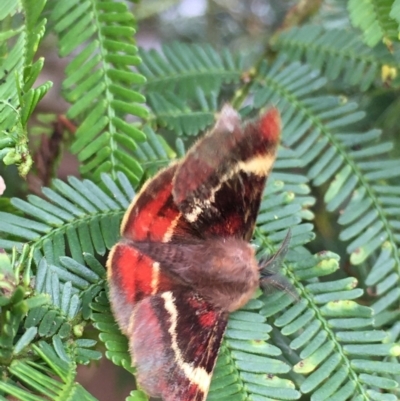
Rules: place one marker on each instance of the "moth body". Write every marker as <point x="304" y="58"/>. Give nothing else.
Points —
<point x="224" y="271"/>
<point x="184" y="262"/>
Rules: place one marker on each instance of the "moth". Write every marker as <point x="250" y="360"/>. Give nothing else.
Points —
<point x="184" y="261"/>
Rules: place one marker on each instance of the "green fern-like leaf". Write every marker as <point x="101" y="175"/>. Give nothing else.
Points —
<point x="336" y="344"/>
<point x="100" y="84"/>
<point x="80" y="219"/>
<point x="51" y="311"/>
<point x="115" y="342"/>
<point x="37" y="376"/>
<point x="18" y="98"/>
<point x="179" y="68"/>
<point x="174" y="113"/>
<point x="80" y="215"/>
<point x="322" y="326"/>
<point x="395" y="12"/>
<point x="337" y="53"/>
<point x="374" y="19"/>
<point x="316" y="128"/>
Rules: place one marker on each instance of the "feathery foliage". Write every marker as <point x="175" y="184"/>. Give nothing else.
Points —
<point x="101" y="84"/>
<point x="178" y="70"/>
<point x="338" y="341"/>
<point x="315" y="128"/>
<point x="337" y="53"/>
<point x="377" y="19"/>
<point x="180" y="67"/>
<point x="18" y="43"/>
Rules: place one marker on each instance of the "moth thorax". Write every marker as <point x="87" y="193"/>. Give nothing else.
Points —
<point x="234" y="271"/>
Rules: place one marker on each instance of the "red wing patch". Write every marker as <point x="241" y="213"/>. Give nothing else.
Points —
<point x="184" y="334"/>
<point x="152" y="214"/>
<point x="133" y="276"/>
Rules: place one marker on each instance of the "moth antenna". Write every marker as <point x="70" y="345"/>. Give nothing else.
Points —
<point x="270" y="265"/>
<point x="278" y="282"/>
<point x="271" y="279"/>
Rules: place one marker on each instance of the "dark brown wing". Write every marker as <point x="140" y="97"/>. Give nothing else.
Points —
<point x="174" y="341"/>
<point x="218" y="186"/>
<point x="215" y="190"/>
